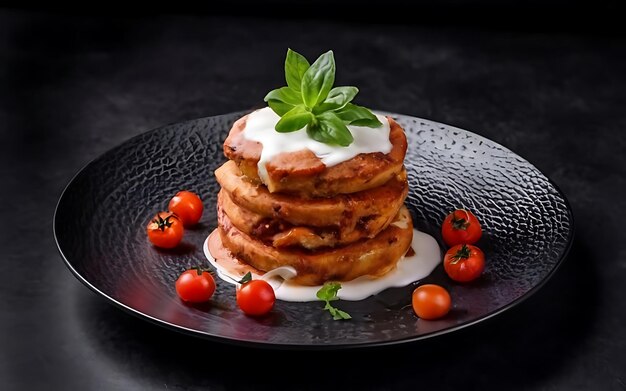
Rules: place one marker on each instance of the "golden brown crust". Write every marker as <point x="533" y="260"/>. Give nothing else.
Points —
<point x="370" y="208"/>
<point x="373" y="257"/>
<point x="304" y="174"/>
<point x="280" y="233"/>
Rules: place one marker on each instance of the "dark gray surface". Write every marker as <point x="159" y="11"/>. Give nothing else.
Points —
<point x="74" y="87"/>
<point x="100" y="229"/>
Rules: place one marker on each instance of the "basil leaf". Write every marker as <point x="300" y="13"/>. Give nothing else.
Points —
<point x="366" y="122"/>
<point x="328" y="291"/>
<point x="283" y="99"/>
<point x="318" y="80"/>
<point x="339" y="315"/>
<point x="280" y="108"/>
<point x="330" y="129"/>
<point x="358" y="116"/>
<point x="295" y="67"/>
<point x="284" y="94"/>
<point x="297" y="118"/>
<point x="309" y="100"/>
<point x="337" y="98"/>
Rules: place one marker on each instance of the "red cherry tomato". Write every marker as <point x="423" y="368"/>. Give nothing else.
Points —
<point x="165" y="230"/>
<point x="464" y="262"/>
<point x="461" y="226"/>
<point x="256" y="297"/>
<point x="195" y="286"/>
<point x="188" y="206"/>
<point x="431" y="301"/>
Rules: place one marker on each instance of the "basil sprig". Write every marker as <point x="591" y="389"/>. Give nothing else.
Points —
<point x="328" y="293"/>
<point x="310" y="100"/>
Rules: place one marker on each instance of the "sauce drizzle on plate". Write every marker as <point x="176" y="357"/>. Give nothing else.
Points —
<point x="426" y="256"/>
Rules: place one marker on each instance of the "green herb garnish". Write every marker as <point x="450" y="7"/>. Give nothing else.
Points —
<point x="328" y="293"/>
<point x="310" y="100"/>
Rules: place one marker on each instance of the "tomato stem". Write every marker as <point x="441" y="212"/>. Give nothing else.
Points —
<point x="201" y="269"/>
<point x="461" y="223"/>
<point x="462" y="253"/>
<point x="163" y="223"/>
<point x="246" y="278"/>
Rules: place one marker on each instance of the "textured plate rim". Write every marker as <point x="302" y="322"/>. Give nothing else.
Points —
<point x="295" y="346"/>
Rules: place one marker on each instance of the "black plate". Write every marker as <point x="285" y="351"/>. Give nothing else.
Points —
<point x="100" y="224"/>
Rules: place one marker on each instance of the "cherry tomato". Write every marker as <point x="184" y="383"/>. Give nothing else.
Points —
<point x="195" y="285"/>
<point x="461" y="226"/>
<point x="165" y="230"/>
<point x="188" y="206"/>
<point x="256" y="297"/>
<point x="431" y="301"/>
<point x="464" y="262"/>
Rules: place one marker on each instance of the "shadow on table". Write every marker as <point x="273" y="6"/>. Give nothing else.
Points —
<point x="518" y="349"/>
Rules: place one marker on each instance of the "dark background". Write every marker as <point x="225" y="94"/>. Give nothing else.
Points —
<point x="545" y="79"/>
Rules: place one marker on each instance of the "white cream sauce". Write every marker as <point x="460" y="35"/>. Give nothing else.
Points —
<point x="409" y="269"/>
<point x="260" y="127"/>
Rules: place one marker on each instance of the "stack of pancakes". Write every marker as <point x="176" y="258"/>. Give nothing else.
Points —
<point x="329" y="223"/>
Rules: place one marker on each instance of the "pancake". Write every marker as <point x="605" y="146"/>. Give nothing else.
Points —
<point x="280" y="233"/>
<point x="368" y="211"/>
<point x="374" y="257"/>
<point x="302" y="173"/>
